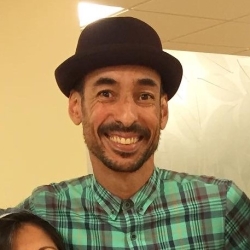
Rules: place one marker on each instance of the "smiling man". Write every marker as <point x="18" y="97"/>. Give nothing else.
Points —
<point x="122" y="110"/>
<point x="119" y="82"/>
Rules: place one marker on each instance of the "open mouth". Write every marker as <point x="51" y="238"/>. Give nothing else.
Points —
<point x="123" y="140"/>
<point x="124" y="145"/>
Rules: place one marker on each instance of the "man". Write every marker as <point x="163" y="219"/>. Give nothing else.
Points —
<point x="119" y="83"/>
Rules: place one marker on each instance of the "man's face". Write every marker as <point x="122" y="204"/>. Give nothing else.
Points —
<point x="122" y="113"/>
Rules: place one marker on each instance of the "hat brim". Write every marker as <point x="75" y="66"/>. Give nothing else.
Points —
<point x="71" y="71"/>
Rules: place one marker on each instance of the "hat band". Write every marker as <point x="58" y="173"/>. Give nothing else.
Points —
<point x="116" y="47"/>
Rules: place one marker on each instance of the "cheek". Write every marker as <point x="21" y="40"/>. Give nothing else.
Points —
<point x="151" y="119"/>
<point x="95" y="116"/>
<point x="153" y="114"/>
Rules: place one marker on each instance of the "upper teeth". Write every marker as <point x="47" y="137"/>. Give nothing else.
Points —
<point x="124" y="140"/>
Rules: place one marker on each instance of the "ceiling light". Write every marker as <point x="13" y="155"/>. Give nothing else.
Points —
<point x="89" y="12"/>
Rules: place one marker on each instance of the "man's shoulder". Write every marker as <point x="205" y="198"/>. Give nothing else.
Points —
<point x="198" y="188"/>
<point x="72" y="186"/>
<point x="54" y="195"/>
<point x="182" y="178"/>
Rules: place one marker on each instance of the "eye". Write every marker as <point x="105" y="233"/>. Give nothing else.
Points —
<point x="146" y="96"/>
<point x="105" y="93"/>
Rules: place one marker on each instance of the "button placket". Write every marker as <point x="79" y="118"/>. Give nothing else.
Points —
<point x="133" y="236"/>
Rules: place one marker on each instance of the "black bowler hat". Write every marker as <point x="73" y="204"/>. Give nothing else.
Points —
<point x="119" y="41"/>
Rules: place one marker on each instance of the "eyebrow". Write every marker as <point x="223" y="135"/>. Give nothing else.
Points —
<point x="147" y="82"/>
<point x="110" y="81"/>
<point x="104" y="81"/>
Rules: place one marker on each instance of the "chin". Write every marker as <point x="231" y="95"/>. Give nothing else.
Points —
<point x="128" y="167"/>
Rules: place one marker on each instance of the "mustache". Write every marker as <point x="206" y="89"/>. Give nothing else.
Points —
<point x="119" y="127"/>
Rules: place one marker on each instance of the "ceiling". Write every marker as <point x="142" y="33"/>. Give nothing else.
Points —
<point x="214" y="26"/>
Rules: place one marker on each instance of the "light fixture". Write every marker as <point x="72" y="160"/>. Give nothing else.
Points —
<point x="89" y="12"/>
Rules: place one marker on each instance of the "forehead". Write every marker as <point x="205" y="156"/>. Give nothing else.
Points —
<point x="124" y="73"/>
<point x="31" y="237"/>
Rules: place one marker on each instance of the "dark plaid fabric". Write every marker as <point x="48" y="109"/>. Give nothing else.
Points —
<point x="172" y="211"/>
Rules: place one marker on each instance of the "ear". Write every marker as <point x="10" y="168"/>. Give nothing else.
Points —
<point x="164" y="111"/>
<point x="74" y="108"/>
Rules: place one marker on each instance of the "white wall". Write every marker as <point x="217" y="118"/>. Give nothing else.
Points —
<point x="209" y="119"/>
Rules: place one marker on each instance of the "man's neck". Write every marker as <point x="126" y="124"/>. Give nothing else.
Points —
<point x="120" y="184"/>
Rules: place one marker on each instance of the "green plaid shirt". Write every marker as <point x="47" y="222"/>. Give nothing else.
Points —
<point x="172" y="211"/>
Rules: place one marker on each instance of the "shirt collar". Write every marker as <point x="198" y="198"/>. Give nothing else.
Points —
<point x="142" y="199"/>
<point x="147" y="194"/>
<point x="108" y="202"/>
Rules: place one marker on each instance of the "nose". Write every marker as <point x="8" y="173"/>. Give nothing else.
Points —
<point x="126" y="112"/>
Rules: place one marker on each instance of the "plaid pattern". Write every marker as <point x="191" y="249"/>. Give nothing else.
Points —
<point x="172" y="211"/>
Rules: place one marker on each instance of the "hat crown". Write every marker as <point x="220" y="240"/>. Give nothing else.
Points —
<point x="117" y="31"/>
<point x="117" y="41"/>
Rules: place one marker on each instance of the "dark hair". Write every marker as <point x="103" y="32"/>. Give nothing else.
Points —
<point x="11" y="223"/>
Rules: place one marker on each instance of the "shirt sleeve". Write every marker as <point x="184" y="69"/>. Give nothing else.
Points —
<point x="41" y="199"/>
<point x="26" y="204"/>
<point x="237" y="219"/>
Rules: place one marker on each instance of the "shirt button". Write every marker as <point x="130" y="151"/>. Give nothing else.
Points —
<point x="127" y="204"/>
<point x="140" y="209"/>
<point x="133" y="236"/>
